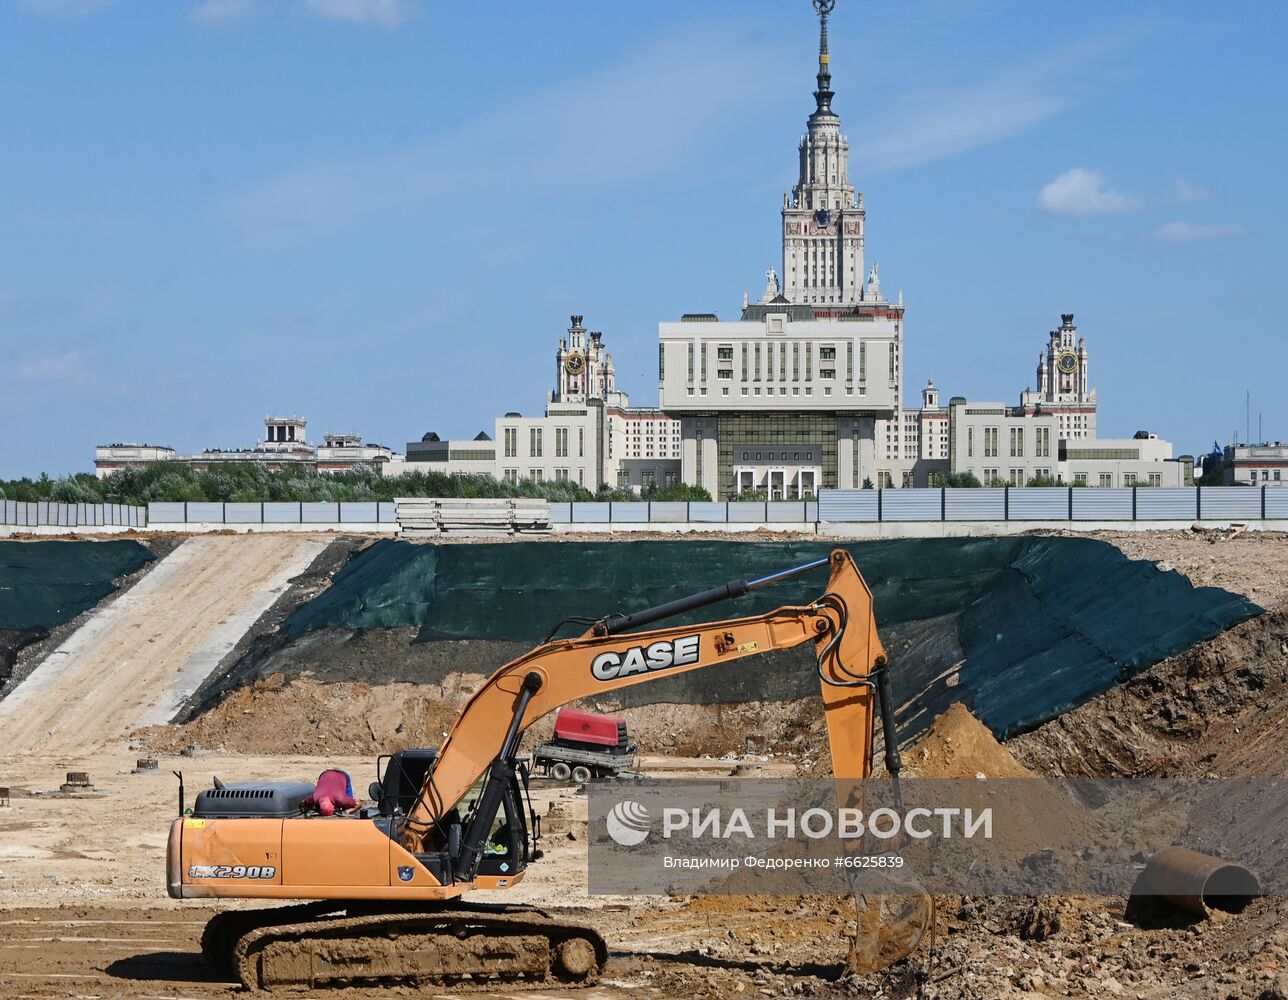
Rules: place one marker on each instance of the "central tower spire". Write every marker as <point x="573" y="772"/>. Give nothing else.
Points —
<point x="823" y="96"/>
<point x="823" y="214"/>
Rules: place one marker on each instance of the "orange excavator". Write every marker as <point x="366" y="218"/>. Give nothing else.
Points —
<point x="385" y="882"/>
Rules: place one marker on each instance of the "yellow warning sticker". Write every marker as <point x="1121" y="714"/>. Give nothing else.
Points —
<point x="194" y="824"/>
<point x="748" y="647"/>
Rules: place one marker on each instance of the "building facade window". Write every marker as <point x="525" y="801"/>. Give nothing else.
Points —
<point x="511" y="442"/>
<point x="535" y="475"/>
<point x="1106" y="479"/>
<point x="561" y="442"/>
<point x="990" y="442"/>
<point x="534" y="442"/>
<point x="511" y="475"/>
<point x="647" y="478"/>
<point x="1017" y="442"/>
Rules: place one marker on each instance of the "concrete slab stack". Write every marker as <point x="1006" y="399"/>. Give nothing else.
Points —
<point x="426" y="517"/>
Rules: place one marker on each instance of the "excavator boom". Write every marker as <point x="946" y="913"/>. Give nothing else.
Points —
<point x="840" y="623"/>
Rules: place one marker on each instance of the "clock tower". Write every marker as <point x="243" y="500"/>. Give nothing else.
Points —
<point x="822" y="214"/>
<point x="584" y="369"/>
<point x="1063" y="385"/>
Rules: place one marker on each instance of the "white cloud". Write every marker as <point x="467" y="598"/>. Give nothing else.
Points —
<point x="69" y="368"/>
<point x="1185" y="192"/>
<point x="932" y="123"/>
<point x="1083" y="192"/>
<point x="223" y="11"/>
<point x="64" y="8"/>
<point x="384" y="13"/>
<point x="606" y="128"/>
<point x="1186" y="232"/>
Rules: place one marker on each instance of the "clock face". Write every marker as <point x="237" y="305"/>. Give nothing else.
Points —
<point x="823" y="217"/>
<point x="1067" y="362"/>
<point x="574" y="363"/>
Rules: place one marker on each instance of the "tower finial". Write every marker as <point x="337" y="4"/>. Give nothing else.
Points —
<point x="823" y="96"/>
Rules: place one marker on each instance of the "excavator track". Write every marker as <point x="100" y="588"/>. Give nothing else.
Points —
<point x="462" y="947"/>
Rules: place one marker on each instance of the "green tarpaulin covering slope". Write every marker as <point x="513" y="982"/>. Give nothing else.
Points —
<point x="43" y="584"/>
<point x="1020" y="629"/>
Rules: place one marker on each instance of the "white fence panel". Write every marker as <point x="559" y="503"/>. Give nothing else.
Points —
<point x="1094" y="503"/>
<point x="1276" y="501"/>
<point x="910" y="505"/>
<point x="212" y="513"/>
<point x="986" y="504"/>
<point x="747" y="511"/>
<point x="593" y="512"/>
<point x="165" y="513"/>
<point x="1171" y="503"/>
<point x="320" y="513"/>
<point x="709" y="512"/>
<point x="1037" y="503"/>
<point x="359" y="512"/>
<point x="847" y="505"/>
<point x="629" y="511"/>
<point x="242" y="513"/>
<point x="668" y="511"/>
<point x="785" y="512"/>
<point x="282" y="512"/>
<point x="1230" y="503"/>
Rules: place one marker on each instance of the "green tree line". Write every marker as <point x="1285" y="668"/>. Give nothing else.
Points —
<point x="175" y="481"/>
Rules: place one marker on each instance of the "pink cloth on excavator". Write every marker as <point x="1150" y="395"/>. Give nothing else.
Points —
<point x="333" y="787"/>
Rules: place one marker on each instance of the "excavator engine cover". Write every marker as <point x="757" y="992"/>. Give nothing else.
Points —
<point x="252" y="800"/>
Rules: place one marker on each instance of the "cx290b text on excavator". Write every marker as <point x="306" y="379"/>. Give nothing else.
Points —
<point x="385" y="884"/>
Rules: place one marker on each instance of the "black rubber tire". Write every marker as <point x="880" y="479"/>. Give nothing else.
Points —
<point x="581" y="774"/>
<point x="560" y="771"/>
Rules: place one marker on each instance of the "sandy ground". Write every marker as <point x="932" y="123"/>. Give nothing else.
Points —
<point x="136" y="661"/>
<point x="84" y="912"/>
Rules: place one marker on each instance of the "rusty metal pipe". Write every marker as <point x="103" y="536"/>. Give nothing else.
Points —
<point x="1199" y="882"/>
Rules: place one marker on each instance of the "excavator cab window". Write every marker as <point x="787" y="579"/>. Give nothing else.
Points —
<point x="505" y="851"/>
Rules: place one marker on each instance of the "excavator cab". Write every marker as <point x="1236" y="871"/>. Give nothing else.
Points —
<point x="510" y="826"/>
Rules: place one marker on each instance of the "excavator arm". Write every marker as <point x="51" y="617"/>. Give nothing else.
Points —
<point x="840" y="623"/>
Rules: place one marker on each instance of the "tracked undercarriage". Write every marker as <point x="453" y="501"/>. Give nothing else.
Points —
<point x="463" y="947"/>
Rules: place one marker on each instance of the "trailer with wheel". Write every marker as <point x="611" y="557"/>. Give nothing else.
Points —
<point x="586" y="745"/>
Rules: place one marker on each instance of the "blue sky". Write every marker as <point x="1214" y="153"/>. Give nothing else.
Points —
<point x="380" y="213"/>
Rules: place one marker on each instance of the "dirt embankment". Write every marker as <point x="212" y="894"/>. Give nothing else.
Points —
<point x="1219" y="708"/>
<point x="277" y="716"/>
